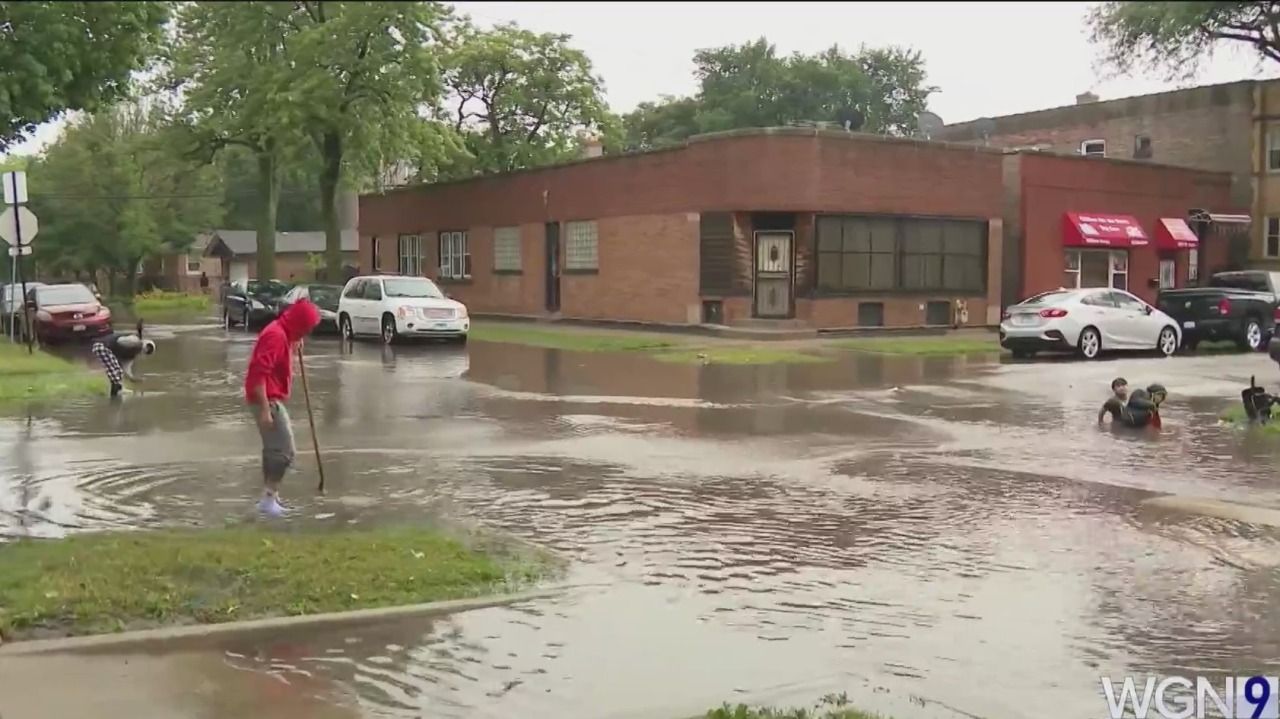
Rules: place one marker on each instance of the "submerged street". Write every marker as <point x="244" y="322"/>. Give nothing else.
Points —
<point x="937" y="537"/>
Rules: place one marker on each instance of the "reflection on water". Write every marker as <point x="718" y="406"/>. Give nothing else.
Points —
<point x="896" y="528"/>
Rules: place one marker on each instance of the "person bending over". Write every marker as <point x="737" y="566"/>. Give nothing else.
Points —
<point x="117" y="353"/>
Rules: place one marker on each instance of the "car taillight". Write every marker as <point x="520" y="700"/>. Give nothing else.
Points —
<point x="1275" y="315"/>
<point x="1224" y="306"/>
<point x="1053" y="313"/>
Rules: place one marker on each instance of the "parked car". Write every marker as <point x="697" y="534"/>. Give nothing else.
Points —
<point x="252" y="303"/>
<point x="1087" y="321"/>
<point x="323" y="296"/>
<point x="64" y="312"/>
<point x="391" y="307"/>
<point x="1236" y="306"/>
<point x="9" y="310"/>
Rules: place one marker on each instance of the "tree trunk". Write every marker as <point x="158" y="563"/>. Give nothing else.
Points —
<point x="330" y="178"/>
<point x="131" y="278"/>
<point x="269" y="191"/>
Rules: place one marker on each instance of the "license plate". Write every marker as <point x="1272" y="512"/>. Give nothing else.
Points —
<point x="1189" y="324"/>
<point x="78" y="328"/>
<point x="1024" y="319"/>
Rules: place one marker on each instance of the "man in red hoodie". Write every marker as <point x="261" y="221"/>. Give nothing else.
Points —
<point x="266" y="387"/>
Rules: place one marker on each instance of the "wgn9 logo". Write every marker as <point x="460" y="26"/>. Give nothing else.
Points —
<point x="1183" y="698"/>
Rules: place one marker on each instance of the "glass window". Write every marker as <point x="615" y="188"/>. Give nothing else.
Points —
<point x="1128" y="302"/>
<point x="907" y="253"/>
<point x="412" y="287"/>
<point x="1093" y="148"/>
<point x="410" y="255"/>
<point x="355" y="290"/>
<point x="582" y="246"/>
<point x="373" y="290"/>
<point x="455" y="257"/>
<point x="1272" y="248"/>
<point x="506" y="249"/>
<point x="1099" y="299"/>
<point x="64" y="295"/>
<point x="1273" y="149"/>
<point x="1193" y="265"/>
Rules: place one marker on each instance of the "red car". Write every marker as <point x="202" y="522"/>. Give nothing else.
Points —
<point x="67" y="312"/>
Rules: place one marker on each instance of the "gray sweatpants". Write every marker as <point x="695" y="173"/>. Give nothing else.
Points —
<point x="277" y="443"/>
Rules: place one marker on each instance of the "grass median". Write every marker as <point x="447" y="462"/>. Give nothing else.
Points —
<point x="922" y="346"/>
<point x="1235" y="416"/>
<point x="830" y="707"/>
<point x="667" y="348"/>
<point x="41" y="376"/>
<point x="115" y="581"/>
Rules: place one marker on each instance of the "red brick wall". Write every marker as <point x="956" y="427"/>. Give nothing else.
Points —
<point x="647" y="210"/>
<point x="1054" y="185"/>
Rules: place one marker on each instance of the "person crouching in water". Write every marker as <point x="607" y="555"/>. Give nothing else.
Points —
<point x="266" y="388"/>
<point x="1115" y="403"/>
<point x="117" y="353"/>
<point x="1142" y="409"/>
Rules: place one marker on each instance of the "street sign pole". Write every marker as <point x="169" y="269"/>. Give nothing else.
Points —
<point x="18" y="195"/>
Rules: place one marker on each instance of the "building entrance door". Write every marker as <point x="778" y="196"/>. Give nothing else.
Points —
<point x="773" y="273"/>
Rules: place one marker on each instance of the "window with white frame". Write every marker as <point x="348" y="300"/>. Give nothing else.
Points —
<point x="1093" y="148"/>
<point x="1193" y="264"/>
<point x="193" y="265"/>
<point x="506" y="249"/>
<point x="376" y="260"/>
<point x="1273" y="148"/>
<point x="455" y="257"/>
<point x="1272" y="246"/>
<point x="1096" y="268"/>
<point x="410" y="250"/>
<point x="582" y="246"/>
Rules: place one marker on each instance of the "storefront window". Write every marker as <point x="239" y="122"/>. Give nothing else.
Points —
<point x="1168" y="274"/>
<point x="1096" y="268"/>
<point x="1193" y="265"/>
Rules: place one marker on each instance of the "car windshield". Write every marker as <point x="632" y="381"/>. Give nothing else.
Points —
<point x="324" y="296"/>
<point x="1048" y="298"/>
<point x="269" y="288"/>
<point x="64" y="295"/>
<point x="411" y="287"/>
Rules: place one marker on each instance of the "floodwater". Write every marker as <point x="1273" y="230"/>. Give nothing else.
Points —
<point x="936" y="537"/>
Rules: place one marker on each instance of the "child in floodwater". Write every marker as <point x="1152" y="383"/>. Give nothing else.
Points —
<point x="117" y="353"/>
<point x="1142" y="409"/>
<point x="1115" y="403"/>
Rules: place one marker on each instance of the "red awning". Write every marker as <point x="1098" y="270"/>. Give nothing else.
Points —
<point x="1173" y="233"/>
<point x="1090" y="229"/>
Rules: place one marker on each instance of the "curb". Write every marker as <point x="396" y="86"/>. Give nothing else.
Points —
<point x="171" y="636"/>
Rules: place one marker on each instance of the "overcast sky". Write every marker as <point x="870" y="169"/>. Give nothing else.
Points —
<point x="987" y="58"/>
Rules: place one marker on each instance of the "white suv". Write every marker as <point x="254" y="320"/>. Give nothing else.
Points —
<point x="393" y="306"/>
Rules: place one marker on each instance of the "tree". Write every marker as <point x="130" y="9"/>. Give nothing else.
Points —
<point x="359" y="72"/>
<point x="522" y="98"/>
<point x="298" y="203"/>
<point x="232" y="63"/>
<point x="1176" y="36"/>
<point x="115" y="191"/>
<point x="61" y="56"/>
<point x="749" y="85"/>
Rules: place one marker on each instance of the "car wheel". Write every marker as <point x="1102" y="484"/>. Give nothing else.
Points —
<point x="226" y="319"/>
<point x="344" y="326"/>
<point x="1090" y="343"/>
<point x="1167" y="344"/>
<point x="388" y="329"/>
<point x="1252" y="339"/>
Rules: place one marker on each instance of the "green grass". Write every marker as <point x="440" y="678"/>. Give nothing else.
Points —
<point x="734" y="355"/>
<point x="159" y="305"/>
<point x="108" y="582"/>
<point x="922" y="346"/>
<point x="1235" y="416"/>
<point x="42" y="376"/>
<point x="832" y="706"/>
<point x="676" y="349"/>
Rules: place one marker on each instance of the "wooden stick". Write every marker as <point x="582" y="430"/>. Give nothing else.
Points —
<point x="311" y="419"/>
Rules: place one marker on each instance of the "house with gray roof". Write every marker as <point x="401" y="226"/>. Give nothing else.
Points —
<point x="238" y="252"/>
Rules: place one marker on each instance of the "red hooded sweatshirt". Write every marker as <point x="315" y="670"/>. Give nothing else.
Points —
<point x="270" y="363"/>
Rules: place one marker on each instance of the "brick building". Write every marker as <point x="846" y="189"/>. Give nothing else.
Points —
<point x="1077" y="222"/>
<point x="1229" y="128"/>
<point x="802" y="227"/>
